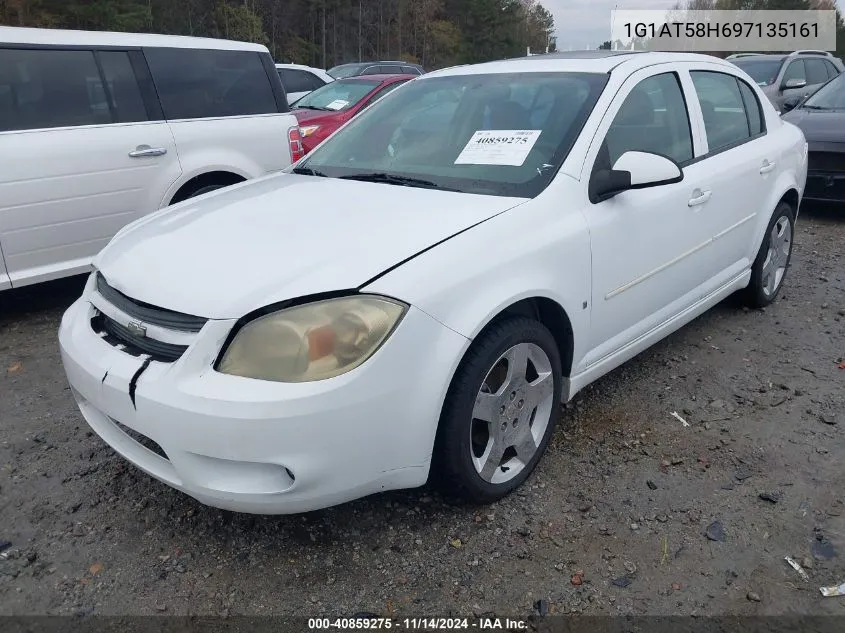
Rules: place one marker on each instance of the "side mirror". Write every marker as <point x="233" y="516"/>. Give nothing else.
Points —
<point x="794" y="83"/>
<point x="633" y="170"/>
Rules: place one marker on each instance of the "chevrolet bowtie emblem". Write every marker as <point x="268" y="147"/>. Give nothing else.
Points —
<point x="137" y="328"/>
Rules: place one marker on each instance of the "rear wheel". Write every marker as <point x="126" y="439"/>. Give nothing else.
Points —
<point x="500" y="411"/>
<point x="769" y="269"/>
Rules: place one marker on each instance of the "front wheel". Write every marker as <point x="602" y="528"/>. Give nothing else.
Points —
<point x="500" y="411"/>
<point x="772" y="261"/>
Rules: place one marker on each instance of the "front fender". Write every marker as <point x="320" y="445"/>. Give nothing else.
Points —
<point x="532" y="250"/>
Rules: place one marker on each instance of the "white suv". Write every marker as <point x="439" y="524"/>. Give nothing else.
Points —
<point x="98" y="129"/>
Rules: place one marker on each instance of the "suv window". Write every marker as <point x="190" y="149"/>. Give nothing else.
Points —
<point x="194" y="84"/>
<point x="832" y="71"/>
<point x="295" y="80"/>
<point x="126" y="100"/>
<point x="50" y="88"/>
<point x="795" y="70"/>
<point x="392" y="70"/>
<point x="410" y="70"/>
<point x="372" y="70"/>
<point x="816" y="71"/>
<point x="653" y="118"/>
<point x="723" y="109"/>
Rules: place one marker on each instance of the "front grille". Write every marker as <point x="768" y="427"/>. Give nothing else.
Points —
<point x="143" y="440"/>
<point x="149" y="313"/>
<point x="119" y="336"/>
<point x="826" y="161"/>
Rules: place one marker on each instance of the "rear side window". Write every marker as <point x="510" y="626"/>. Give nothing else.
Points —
<point x="795" y="70"/>
<point x="50" y="88"/>
<point x="832" y="71"/>
<point x="195" y="84"/>
<point x="816" y="71"/>
<point x="723" y="109"/>
<point x="296" y="80"/>
<point x="653" y="118"/>
<point x="372" y="70"/>
<point x="126" y="100"/>
<point x="392" y="70"/>
<point x="752" y="107"/>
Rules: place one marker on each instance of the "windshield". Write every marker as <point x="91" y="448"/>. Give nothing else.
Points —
<point x="344" y="71"/>
<point x="763" y="71"/>
<point x="337" y="96"/>
<point x="495" y="134"/>
<point x="830" y="96"/>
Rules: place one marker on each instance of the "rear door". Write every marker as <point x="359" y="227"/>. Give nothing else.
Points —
<point x="226" y="108"/>
<point x="83" y="153"/>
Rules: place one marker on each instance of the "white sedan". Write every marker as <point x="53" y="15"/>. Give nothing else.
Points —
<point x="416" y="298"/>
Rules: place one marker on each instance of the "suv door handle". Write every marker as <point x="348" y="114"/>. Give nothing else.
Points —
<point x="143" y="151"/>
<point x="767" y="167"/>
<point x="698" y="197"/>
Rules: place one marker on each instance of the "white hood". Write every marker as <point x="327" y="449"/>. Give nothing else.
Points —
<point x="226" y="254"/>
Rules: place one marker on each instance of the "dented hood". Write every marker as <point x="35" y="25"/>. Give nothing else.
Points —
<point x="240" y="249"/>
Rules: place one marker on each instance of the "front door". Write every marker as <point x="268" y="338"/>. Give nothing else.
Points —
<point x="649" y="253"/>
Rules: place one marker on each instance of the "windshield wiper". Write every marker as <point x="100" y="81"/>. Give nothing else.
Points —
<point x="307" y="171"/>
<point x="391" y="179"/>
<point x="310" y="107"/>
<point x="814" y="107"/>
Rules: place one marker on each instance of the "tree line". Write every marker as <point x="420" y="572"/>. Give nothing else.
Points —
<point x="324" y="33"/>
<point x="755" y="5"/>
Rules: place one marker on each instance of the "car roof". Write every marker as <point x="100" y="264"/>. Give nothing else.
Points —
<point x="579" y="61"/>
<point x="765" y="57"/>
<point x="381" y="78"/>
<point x="61" y="37"/>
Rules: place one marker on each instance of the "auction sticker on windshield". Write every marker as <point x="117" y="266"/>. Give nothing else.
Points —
<point x="498" y="147"/>
<point x="337" y="104"/>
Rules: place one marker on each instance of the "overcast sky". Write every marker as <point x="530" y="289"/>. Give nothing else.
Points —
<point x="583" y="24"/>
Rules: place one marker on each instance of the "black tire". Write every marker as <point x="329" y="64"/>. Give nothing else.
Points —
<point x="756" y="294"/>
<point x="453" y="471"/>
<point x="203" y="190"/>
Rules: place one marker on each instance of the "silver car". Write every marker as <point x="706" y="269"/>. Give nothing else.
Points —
<point x="797" y="74"/>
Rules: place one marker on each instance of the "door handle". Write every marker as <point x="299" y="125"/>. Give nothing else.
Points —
<point x="143" y="151"/>
<point x="767" y="167"/>
<point x="698" y="197"/>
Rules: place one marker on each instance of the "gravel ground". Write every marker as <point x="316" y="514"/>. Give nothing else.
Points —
<point x="615" y="520"/>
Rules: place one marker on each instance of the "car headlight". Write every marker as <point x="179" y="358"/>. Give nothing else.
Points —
<point x="308" y="130"/>
<point x="314" y="341"/>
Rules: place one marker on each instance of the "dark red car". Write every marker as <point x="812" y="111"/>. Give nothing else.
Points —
<point x="323" y="111"/>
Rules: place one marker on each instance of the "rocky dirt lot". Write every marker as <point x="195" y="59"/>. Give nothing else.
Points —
<point x="629" y="512"/>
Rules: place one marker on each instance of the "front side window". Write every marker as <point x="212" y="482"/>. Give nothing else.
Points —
<point x="795" y="70"/>
<point x="723" y="109"/>
<point x="832" y="71"/>
<point x="653" y="118"/>
<point x="194" y="84"/>
<point x="338" y="95"/>
<point x="49" y="89"/>
<point x="468" y="133"/>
